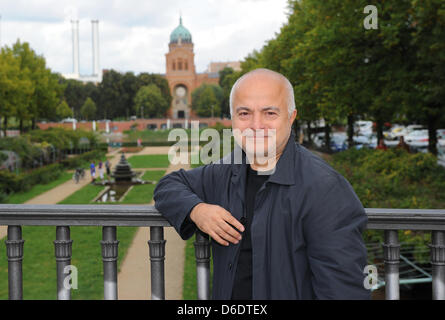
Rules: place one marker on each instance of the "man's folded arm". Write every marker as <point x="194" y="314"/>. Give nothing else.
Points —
<point x="336" y="250"/>
<point x="178" y="193"/>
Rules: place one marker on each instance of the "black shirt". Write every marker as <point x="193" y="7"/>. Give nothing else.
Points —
<point x="242" y="287"/>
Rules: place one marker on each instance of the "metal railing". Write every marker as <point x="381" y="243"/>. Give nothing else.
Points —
<point x="112" y="216"/>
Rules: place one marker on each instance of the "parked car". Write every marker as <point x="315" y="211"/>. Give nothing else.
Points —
<point x="338" y="142"/>
<point x="394" y="133"/>
<point x="363" y="127"/>
<point x="365" y="141"/>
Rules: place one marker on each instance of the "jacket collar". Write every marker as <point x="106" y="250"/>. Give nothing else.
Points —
<point x="284" y="170"/>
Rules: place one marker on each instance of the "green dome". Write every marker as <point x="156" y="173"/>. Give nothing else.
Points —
<point x="180" y="32"/>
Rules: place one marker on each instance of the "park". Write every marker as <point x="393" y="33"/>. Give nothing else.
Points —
<point x="80" y="157"/>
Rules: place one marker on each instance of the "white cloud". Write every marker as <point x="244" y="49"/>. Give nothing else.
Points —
<point x="134" y="34"/>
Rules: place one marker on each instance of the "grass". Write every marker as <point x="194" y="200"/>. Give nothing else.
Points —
<point x="39" y="265"/>
<point x="149" y="135"/>
<point x="149" y="161"/>
<point x="143" y="193"/>
<point x="189" y="289"/>
<point x="38" y="189"/>
<point x="83" y="196"/>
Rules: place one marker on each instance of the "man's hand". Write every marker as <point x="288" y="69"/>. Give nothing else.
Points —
<point x="216" y="222"/>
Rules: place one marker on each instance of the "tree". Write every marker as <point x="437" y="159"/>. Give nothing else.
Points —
<point x="150" y="102"/>
<point x="47" y="89"/>
<point x="426" y="94"/>
<point x="64" y="111"/>
<point x="15" y="87"/>
<point x="130" y="86"/>
<point x="110" y="97"/>
<point x="226" y="84"/>
<point x="207" y="100"/>
<point x="146" y="79"/>
<point x="88" y="110"/>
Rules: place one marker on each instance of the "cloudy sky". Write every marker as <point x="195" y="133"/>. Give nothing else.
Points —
<point x="134" y="34"/>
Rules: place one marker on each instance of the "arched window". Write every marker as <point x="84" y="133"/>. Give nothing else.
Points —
<point x="186" y="66"/>
<point x="179" y="64"/>
<point x="174" y="65"/>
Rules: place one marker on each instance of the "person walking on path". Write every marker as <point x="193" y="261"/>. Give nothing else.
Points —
<point x="108" y="166"/>
<point x="93" y="171"/>
<point x="101" y="170"/>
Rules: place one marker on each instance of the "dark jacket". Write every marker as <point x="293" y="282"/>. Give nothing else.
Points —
<point x="306" y="231"/>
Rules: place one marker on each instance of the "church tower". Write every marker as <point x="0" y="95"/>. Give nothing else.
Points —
<point x="180" y="71"/>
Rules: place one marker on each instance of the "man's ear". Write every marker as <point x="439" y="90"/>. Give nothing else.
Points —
<point x="293" y="116"/>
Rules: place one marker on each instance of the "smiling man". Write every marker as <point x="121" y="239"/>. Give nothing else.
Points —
<point x="283" y="223"/>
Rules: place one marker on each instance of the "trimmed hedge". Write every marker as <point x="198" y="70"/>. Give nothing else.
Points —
<point x="10" y="182"/>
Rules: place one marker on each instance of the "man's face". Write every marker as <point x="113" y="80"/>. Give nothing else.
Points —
<point x="260" y="113"/>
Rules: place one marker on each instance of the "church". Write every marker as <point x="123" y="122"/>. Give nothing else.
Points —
<point x="181" y="72"/>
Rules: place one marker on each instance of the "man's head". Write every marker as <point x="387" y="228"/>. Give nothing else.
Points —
<point x="262" y="101"/>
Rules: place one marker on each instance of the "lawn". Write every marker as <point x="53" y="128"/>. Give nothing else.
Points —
<point x="142" y="193"/>
<point x="38" y="189"/>
<point x="149" y="161"/>
<point x="149" y="135"/>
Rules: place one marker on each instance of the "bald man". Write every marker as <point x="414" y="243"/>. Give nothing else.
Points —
<point x="283" y="223"/>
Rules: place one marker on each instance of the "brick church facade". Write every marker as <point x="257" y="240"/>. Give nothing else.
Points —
<point x="181" y="73"/>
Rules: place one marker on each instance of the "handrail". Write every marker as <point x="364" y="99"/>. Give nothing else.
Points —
<point x="112" y="216"/>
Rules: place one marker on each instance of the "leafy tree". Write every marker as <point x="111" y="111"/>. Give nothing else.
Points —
<point x="110" y="96"/>
<point x="88" y="110"/>
<point x="15" y="87"/>
<point x="207" y="99"/>
<point x="130" y="86"/>
<point x="146" y="79"/>
<point x="425" y="98"/>
<point x="150" y="101"/>
<point x="225" y="82"/>
<point x="47" y="89"/>
<point x="64" y="111"/>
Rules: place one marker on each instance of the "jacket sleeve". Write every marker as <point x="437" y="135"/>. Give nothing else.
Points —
<point x="178" y="193"/>
<point x="336" y="251"/>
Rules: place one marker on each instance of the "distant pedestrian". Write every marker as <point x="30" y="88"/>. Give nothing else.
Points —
<point x="93" y="171"/>
<point x="101" y="170"/>
<point x="139" y="142"/>
<point x="108" y="166"/>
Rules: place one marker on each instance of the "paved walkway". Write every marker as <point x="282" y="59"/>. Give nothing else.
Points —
<point x="134" y="279"/>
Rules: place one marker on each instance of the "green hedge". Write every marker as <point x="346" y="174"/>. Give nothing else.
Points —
<point x="41" y="144"/>
<point x="395" y="179"/>
<point x="10" y="182"/>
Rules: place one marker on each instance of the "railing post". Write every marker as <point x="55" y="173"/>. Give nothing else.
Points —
<point x="109" y="258"/>
<point x="157" y="257"/>
<point x="14" y="252"/>
<point x="438" y="264"/>
<point x="202" y="254"/>
<point x="63" y="253"/>
<point x="391" y="250"/>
